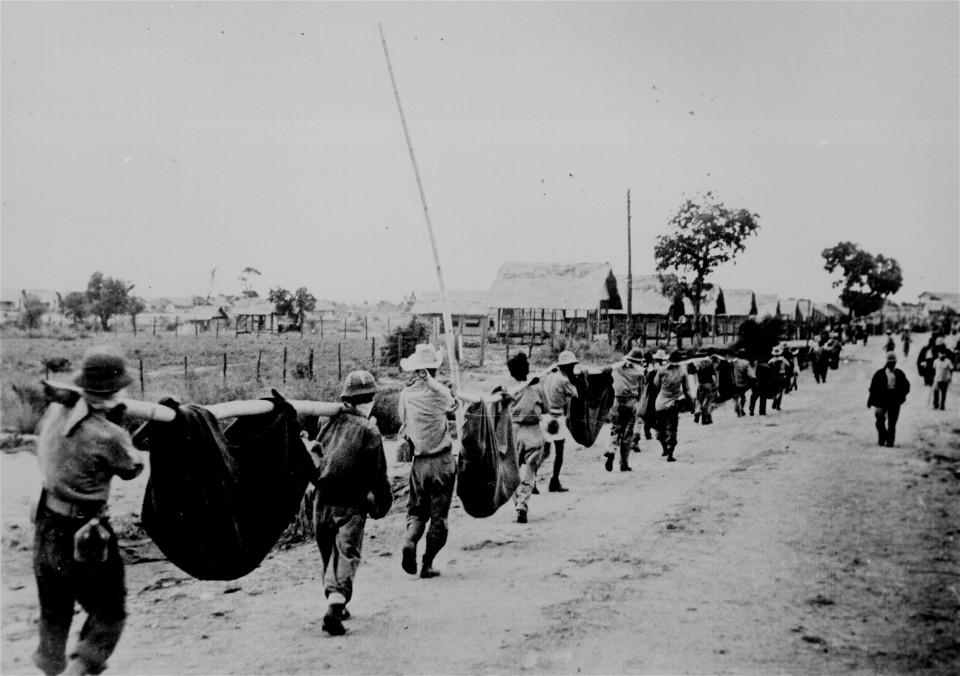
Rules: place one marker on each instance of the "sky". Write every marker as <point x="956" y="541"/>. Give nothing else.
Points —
<point x="175" y="144"/>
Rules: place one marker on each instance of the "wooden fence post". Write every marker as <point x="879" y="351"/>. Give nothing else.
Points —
<point x="141" y="377"/>
<point x="311" y="363"/>
<point x="284" y="364"/>
<point x="340" y="361"/>
<point x="344" y="328"/>
<point x="224" y="368"/>
<point x="154" y="326"/>
<point x="321" y="327"/>
<point x="373" y="352"/>
<point x="184" y="367"/>
<point x="365" y="336"/>
<point x="483" y="337"/>
<point x="259" y="357"/>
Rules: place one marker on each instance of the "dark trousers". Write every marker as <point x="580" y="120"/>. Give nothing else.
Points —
<point x="99" y="587"/>
<point x="432" y="478"/>
<point x="887" y="424"/>
<point x="623" y="417"/>
<point x="339" y="532"/>
<point x="758" y="394"/>
<point x="940" y="395"/>
<point x="667" y="422"/>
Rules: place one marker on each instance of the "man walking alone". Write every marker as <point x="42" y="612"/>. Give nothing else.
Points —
<point x="888" y="390"/>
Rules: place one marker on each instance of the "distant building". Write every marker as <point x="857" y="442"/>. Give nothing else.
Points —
<point x="549" y="298"/>
<point x="470" y="312"/>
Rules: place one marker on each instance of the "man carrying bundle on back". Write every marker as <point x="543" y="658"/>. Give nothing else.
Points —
<point x="528" y="408"/>
<point x="80" y="448"/>
<point x="352" y="484"/>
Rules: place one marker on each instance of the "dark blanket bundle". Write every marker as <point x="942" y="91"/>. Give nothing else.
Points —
<point x="589" y="410"/>
<point x="217" y="502"/>
<point x="487" y="469"/>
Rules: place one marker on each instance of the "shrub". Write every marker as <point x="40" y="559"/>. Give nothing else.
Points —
<point x="402" y="341"/>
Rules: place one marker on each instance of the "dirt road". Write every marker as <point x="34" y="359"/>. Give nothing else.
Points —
<point x="784" y="543"/>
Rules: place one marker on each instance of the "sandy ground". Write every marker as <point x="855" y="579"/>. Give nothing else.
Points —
<point x="789" y="543"/>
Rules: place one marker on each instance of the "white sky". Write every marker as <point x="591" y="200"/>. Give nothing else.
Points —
<point x="154" y="141"/>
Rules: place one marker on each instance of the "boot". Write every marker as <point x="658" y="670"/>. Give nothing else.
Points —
<point x="696" y="417"/>
<point x="333" y="620"/>
<point x="426" y="567"/>
<point x="521" y="516"/>
<point x="635" y="444"/>
<point x="535" y="491"/>
<point x="408" y="559"/>
<point x="608" y="462"/>
<point x="624" y="467"/>
<point x="555" y="486"/>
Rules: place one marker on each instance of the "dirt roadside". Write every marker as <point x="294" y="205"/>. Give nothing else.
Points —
<point x="784" y="543"/>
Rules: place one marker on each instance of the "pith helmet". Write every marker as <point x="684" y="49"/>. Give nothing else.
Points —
<point x="103" y="371"/>
<point x="567" y="357"/>
<point x="358" y="382"/>
<point x="423" y="357"/>
<point x="636" y="356"/>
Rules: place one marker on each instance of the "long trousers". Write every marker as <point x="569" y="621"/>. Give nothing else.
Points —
<point x="755" y="395"/>
<point x="940" y="395"/>
<point x="886" y="424"/>
<point x="706" y="395"/>
<point x="432" y="479"/>
<point x="668" y="421"/>
<point x="623" y="417"/>
<point x="339" y="532"/>
<point x="530" y="460"/>
<point x="99" y="587"/>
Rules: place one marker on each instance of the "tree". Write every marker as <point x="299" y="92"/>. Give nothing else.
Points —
<point x="106" y="297"/>
<point x="135" y="306"/>
<point x="704" y="234"/>
<point x="74" y="306"/>
<point x="866" y="279"/>
<point x="294" y="305"/>
<point x="246" y="275"/>
<point x="33" y="310"/>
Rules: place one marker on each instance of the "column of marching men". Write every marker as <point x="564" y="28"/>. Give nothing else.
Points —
<point x="82" y="446"/>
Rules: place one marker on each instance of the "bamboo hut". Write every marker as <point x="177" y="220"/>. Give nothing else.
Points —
<point x="255" y="316"/>
<point x="469" y="311"/>
<point x="544" y="299"/>
<point x="734" y="307"/>
<point x="203" y="317"/>
<point x="651" y="310"/>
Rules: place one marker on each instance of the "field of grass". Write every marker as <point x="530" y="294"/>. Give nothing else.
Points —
<point x="188" y="368"/>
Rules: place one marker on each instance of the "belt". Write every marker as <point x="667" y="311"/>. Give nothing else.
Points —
<point x="72" y="510"/>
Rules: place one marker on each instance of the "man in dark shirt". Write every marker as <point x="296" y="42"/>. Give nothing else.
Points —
<point x="707" y="381"/>
<point x="351" y="485"/>
<point x="888" y="390"/>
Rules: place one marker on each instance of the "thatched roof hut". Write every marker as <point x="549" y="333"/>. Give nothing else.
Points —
<point x="647" y="301"/>
<point x="522" y="293"/>
<point x="737" y="303"/>
<point x="469" y="310"/>
<point x="254" y="315"/>
<point x="768" y="304"/>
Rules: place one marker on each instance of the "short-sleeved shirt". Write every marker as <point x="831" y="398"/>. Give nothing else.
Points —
<point x="672" y="381"/>
<point x="559" y="391"/>
<point x="423" y="413"/>
<point x="626" y="379"/>
<point x="529" y="404"/>
<point x="79" y="451"/>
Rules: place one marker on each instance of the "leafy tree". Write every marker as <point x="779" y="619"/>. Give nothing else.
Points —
<point x="106" y="297"/>
<point x="74" y="306"/>
<point x="866" y="279"/>
<point x="32" y="311"/>
<point x="704" y="234"/>
<point x="135" y="306"/>
<point x="246" y="275"/>
<point x="294" y="305"/>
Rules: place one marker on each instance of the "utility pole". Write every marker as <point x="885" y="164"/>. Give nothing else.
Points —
<point x="629" y="275"/>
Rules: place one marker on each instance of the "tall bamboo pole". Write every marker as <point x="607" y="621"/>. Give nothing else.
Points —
<point x="448" y="321"/>
<point x="629" y="275"/>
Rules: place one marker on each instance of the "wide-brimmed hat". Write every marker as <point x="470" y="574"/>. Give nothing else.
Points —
<point x="358" y="383"/>
<point x="567" y="357"/>
<point x="102" y="371"/>
<point x="777" y="351"/>
<point x="891" y="356"/>
<point x="660" y="355"/>
<point x="636" y="356"/>
<point x="676" y="356"/>
<point x="423" y="357"/>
